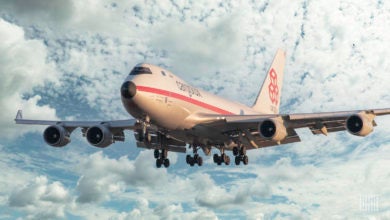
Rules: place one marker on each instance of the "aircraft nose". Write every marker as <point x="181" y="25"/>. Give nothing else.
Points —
<point x="128" y="90"/>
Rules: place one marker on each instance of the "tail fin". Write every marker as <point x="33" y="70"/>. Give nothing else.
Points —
<point x="268" y="99"/>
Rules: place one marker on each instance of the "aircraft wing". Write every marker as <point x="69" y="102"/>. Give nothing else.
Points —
<point x="318" y="123"/>
<point x="103" y="134"/>
<point x="124" y="124"/>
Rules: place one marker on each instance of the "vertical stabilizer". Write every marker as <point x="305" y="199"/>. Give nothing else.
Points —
<point x="268" y="99"/>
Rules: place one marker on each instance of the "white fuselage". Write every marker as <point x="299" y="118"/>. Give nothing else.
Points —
<point x="169" y="101"/>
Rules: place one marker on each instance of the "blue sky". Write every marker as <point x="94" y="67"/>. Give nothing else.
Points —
<point x="67" y="59"/>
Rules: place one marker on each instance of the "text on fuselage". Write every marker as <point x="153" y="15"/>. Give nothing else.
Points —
<point x="187" y="88"/>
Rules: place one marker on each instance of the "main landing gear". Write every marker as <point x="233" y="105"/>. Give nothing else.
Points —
<point x="161" y="158"/>
<point x="196" y="159"/>
<point x="240" y="154"/>
<point x="223" y="158"/>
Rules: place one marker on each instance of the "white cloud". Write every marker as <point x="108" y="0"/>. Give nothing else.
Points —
<point x="328" y="188"/>
<point x="39" y="11"/>
<point x="41" y="199"/>
<point x="195" y="49"/>
<point x="143" y="210"/>
<point x="336" y="61"/>
<point x="102" y="176"/>
<point x="22" y="66"/>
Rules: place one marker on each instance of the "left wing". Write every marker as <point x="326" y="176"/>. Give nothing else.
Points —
<point x="268" y="130"/>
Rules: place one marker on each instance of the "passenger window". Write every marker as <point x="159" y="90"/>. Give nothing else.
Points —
<point x="163" y="73"/>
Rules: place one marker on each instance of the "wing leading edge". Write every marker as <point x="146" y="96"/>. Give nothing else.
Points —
<point x="102" y="133"/>
<point x="123" y="124"/>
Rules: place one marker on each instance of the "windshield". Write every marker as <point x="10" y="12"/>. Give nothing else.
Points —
<point x="140" y="70"/>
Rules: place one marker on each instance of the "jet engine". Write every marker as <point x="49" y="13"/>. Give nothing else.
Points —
<point x="273" y="129"/>
<point x="99" y="136"/>
<point x="360" y="124"/>
<point x="56" y="136"/>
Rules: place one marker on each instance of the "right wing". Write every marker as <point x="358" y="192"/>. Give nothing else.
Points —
<point x="98" y="133"/>
<point x="103" y="133"/>
<point x="122" y="124"/>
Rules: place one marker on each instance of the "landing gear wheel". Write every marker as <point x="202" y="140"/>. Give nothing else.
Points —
<point x="156" y="154"/>
<point x="159" y="163"/>
<point x="192" y="162"/>
<point x="237" y="160"/>
<point x="245" y="159"/>
<point x="216" y="158"/>
<point x="188" y="158"/>
<point x="199" y="161"/>
<point x="166" y="163"/>
<point x="235" y="151"/>
<point x="225" y="159"/>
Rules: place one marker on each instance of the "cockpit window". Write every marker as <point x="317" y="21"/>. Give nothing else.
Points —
<point x="140" y="70"/>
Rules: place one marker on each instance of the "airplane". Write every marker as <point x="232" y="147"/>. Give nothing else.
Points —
<point x="171" y="115"/>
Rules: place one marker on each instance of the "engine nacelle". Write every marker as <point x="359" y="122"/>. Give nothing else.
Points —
<point x="273" y="129"/>
<point x="360" y="124"/>
<point x="56" y="136"/>
<point x="99" y="136"/>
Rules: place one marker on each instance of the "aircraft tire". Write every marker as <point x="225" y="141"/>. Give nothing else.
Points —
<point x="158" y="163"/>
<point x="245" y="160"/>
<point x="188" y="159"/>
<point x="199" y="161"/>
<point x="219" y="162"/>
<point x="166" y="163"/>
<point x="235" y="151"/>
<point x="237" y="160"/>
<point x="156" y="154"/>
<point x="216" y="158"/>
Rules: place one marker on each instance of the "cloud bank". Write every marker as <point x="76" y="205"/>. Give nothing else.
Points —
<point x="23" y="68"/>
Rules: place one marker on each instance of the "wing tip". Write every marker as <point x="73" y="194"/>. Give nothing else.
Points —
<point x="19" y="115"/>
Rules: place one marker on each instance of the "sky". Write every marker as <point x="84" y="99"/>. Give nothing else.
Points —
<point x="67" y="59"/>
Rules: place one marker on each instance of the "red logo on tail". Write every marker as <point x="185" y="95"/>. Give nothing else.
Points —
<point x="273" y="88"/>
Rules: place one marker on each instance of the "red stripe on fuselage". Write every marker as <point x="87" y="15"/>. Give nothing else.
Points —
<point x="183" y="98"/>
